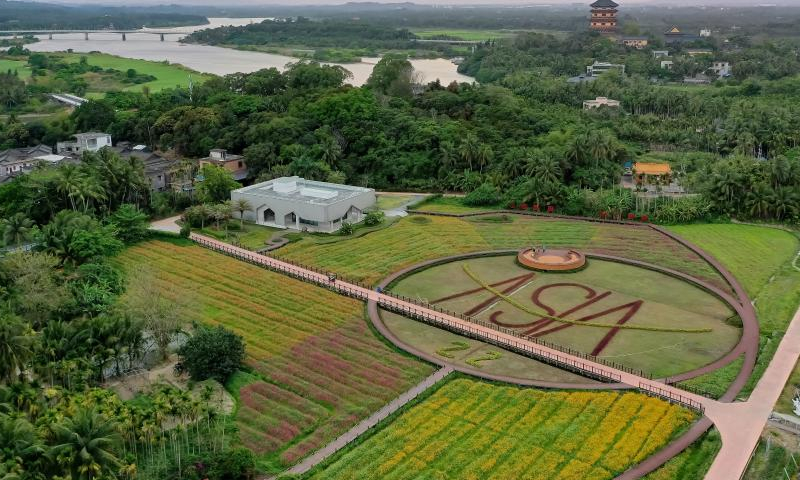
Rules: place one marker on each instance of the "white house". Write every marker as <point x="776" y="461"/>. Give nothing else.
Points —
<point x="16" y="161"/>
<point x="660" y="53"/>
<point x="91" y="141"/>
<point x="300" y="204"/>
<point x="722" y="69"/>
<point x="600" y="102"/>
<point x="667" y="64"/>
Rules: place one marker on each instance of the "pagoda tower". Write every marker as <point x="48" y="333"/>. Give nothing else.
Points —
<point x="604" y="16"/>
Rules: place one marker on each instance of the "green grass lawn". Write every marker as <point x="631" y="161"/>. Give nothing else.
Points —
<point x="473" y="430"/>
<point x="251" y="237"/>
<point x="20" y="66"/>
<point x="450" y="205"/>
<point x="416" y="238"/>
<point x="392" y="201"/>
<point x="760" y="257"/>
<point x="167" y="75"/>
<point x="653" y="300"/>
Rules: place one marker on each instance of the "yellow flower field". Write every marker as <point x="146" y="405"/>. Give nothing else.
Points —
<point x="473" y="430"/>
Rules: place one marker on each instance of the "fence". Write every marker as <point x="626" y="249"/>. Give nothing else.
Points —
<point x="671" y="396"/>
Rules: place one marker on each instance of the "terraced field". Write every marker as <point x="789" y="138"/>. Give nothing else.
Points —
<point x="318" y="369"/>
<point x="473" y="430"/>
<point x="417" y="238"/>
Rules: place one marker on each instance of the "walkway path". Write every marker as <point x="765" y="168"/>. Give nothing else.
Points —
<point x="169" y="224"/>
<point x="740" y="424"/>
<point x="320" y="455"/>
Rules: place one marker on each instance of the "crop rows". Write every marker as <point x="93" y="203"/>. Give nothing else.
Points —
<point x="472" y="430"/>
<point x="323" y="369"/>
<point x="405" y="243"/>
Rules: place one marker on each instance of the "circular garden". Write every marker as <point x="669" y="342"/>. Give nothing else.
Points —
<point x="639" y="317"/>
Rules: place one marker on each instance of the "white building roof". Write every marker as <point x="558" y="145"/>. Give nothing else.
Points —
<point x="52" y="158"/>
<point x="300" y="190"/>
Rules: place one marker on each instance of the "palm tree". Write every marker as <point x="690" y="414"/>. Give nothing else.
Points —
<point x="468" y="150"/>
<point x="14" y="347"/>
<point x="17" y="229"/>
<point x="242" y="205"/>
<point x="20" y="440"/>
<point x="68" y="181"/>
<point x="484" y="156"/>
<point x="203" y="211"/>
<point x="85" y="444"/>
<point x="330" y="151"/>
<point x="759" y="200"/>
<point x="222" y="212"/>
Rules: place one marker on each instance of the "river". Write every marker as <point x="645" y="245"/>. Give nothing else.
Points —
<point x="218" y="60"/>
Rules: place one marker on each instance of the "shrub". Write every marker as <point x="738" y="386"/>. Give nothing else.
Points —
<point x="523" y="206"/>
<point x="212" y="353"/>
<point x="644" y="218"/>
<point x="186" y="229"/>
<point x="631" y="216"/>
<point x="373" y="218"/>
<point x="346" y="229"/>
<point x="131" y="223"/>
<point x="483" y="196"/>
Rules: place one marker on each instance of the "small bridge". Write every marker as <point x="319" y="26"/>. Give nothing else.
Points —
<point x="123" y="33"/>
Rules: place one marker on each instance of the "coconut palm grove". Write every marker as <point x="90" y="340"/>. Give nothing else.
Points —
<point x="578" y="261"/>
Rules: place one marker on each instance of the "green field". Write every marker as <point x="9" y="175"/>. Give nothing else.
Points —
<point x="167" y="76"/>
<point x="450" y="205"/>
<point x="642" y="298"/>
<point x="20" y="66"/>
<point x="416" y="238"/>
<point x="761" y="259"/>
<point x="471" y="430"/>
<point x="392" y="201"/>
<point x="317" y="369"/>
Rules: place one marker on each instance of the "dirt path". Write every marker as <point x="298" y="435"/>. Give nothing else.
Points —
<point x="167" y="224"/>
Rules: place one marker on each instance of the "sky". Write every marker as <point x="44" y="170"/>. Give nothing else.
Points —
<point x="232" y="3"/>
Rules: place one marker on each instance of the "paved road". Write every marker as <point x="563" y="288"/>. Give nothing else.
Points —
<point x="320" y="455"/>
<point x="739" y="424"/>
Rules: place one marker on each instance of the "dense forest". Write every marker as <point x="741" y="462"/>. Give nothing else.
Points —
<point x="22" y="15"/>
<point x="322" y="36"/>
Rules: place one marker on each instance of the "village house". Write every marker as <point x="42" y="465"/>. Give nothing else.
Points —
<point x="157" y="169"/>
<point x="721" y="69"/>
<point x="638" y="43"/>
<point x="17" y="161"/>
<point x="84" y="142"/>
<point x="232" y="163"/>
<point x="645" y="173"/>
<point x="600" y="102"/>
<point x="300" y="204"/>
<point x="660" y="53"/>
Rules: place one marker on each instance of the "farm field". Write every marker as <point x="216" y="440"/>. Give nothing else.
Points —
<point x="167" y="76"/>
<point x="317" y="368"/>
<point x="416" y="238"/>
<point x="463" y="34"/>
<point x="450" y="205"/>
<point x="469" y="429"/>
<point x="693" y="324"/>
<point x="19" y="66"/>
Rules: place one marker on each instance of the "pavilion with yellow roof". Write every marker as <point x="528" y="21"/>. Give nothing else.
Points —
<point x="645" y="173"/>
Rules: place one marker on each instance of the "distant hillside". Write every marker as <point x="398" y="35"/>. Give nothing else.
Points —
<point x="21" y="15"/>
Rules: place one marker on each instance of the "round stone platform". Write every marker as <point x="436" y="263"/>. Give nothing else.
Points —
<point x="551" y="260"/>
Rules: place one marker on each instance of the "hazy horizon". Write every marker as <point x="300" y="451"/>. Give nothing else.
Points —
<point x="472" y="3"/>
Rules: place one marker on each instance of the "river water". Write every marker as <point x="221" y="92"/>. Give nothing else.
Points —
<point x="218" y="60"/>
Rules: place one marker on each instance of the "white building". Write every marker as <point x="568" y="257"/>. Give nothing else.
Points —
<point x="705" y="33"/>
<point x="91" y="142"/>
<point x="667" y="64"/>
<point x="600" y="102"/>
<point x="296" y="203"/>
<point x="660" y="53"/>
<point x="721" y="69"/>
<point x="598" y="68"/>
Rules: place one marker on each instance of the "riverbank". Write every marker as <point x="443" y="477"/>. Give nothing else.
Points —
<point x="219" y="60"/>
